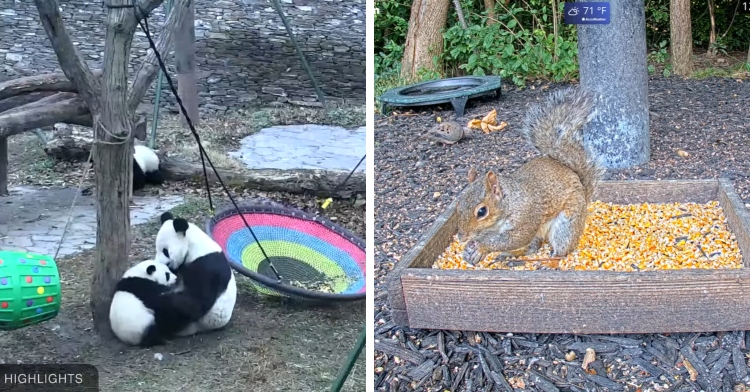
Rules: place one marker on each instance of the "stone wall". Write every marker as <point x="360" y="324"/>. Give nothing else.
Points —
<point x="245" y="57"/>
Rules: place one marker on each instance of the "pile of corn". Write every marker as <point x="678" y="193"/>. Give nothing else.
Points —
<point x="635" y="237"/>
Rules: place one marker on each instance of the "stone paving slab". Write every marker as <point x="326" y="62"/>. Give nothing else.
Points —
<point x="33" y="219"/>
<point x="304" y="147"/>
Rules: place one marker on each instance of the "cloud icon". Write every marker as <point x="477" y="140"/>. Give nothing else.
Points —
<point x="573" y="11"/>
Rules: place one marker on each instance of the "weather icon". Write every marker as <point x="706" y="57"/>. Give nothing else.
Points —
<point x="573" y="11"/>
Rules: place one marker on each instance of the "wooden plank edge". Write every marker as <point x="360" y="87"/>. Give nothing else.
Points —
<point x="737" y="216"/>
<point x="611" y="302"/>
<point x="393" y="280"/>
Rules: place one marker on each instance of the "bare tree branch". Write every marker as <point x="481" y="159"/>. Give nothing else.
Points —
<point x="61" y="107"/>
<point x="23" y="99"/>
<point x="70" y="60"/>
<point x="57" y="82"/>
<point x="149" y="68"/>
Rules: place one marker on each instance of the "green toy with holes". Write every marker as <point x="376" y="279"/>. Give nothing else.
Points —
<point x="29" y="289"/>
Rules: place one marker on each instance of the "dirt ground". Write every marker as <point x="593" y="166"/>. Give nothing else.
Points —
<point x="417" y="180"/>
<point x="270" y="345"/>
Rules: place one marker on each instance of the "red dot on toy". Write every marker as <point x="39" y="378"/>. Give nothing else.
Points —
<point x="29" y="279"/>
<point x="1" y="261"/>
<point x="42" y="262"/>
<point x="4" y="305"/>
<point x="50" y="299"/>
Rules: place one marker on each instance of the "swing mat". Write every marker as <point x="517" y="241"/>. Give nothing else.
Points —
<point x="316" y="258"/>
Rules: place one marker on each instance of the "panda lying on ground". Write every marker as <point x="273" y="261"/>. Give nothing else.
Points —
<point x="145" y="168"/>
<point x="203" y="269"/>
<point x="146" y="310"/>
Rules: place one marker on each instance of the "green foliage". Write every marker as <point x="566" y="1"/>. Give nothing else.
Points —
<point x="516" y="47"/>
<point x="522" y="45"/>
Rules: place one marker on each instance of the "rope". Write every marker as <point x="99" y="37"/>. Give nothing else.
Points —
<point x="78" y="192"/>
<point x="329" y="200"/>
<point x="301" y="55"/>
<point x="144" y="27"/>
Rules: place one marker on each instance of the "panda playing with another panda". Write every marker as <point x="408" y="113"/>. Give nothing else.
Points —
<point x="146" y="309"/>
<point x="189" y="288"/>
<point x="204" y="271"/>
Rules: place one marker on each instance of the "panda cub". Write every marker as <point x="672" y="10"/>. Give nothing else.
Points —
<point x="203" y="269"/>
<point x="145" y="168"/>
<point x="145" y="309"/>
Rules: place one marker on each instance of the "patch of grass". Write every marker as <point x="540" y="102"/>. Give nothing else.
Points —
<point x="735" y="71"/>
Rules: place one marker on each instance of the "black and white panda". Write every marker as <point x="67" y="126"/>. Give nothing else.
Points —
<point x="146" y="309"/>
<point x="145" y="168"/>
<point x="203" y="269"/>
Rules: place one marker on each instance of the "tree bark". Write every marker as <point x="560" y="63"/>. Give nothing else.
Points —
<point x="184" y="54"/>
<point x="612" y="65"/>
<point x="489" y="5"/>
<point x="23" y="99"/>
<point x="712" y="32"/>
<point x="107" y="101"/>
<point x="48" y="82"/>
<point x="113" y="165"/>
<point x="3" y="166"/>
<point x="147" y="71"/>
<point x="460" y="14"/>
<point x="321" y="183"/>
<point x="681" y="37"/>
<point x="61" y="107"/>
<point x="424" y="40"/>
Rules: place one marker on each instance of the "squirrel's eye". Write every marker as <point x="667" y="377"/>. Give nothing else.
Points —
<point x="481" y="212"/>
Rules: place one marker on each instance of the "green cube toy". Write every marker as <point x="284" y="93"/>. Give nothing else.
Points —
<point x="29" y="289"/>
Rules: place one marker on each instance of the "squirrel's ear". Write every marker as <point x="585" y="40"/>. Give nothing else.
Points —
<point x="492" y="185"/>
<point x="472" y="175"/>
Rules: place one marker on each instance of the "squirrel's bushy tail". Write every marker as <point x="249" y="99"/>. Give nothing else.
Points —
<point x="555" y="128"/>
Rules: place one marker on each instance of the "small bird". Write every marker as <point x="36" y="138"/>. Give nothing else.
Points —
<point x="447" y="132"/>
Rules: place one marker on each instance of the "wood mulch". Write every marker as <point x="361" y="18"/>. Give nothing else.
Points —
<point x="417" y="179"/>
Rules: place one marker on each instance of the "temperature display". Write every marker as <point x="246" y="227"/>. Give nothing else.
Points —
<point x="588" y="12"/>
<point x="744" y="7"/>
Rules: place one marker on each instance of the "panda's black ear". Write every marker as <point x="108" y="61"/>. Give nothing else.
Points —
<point x="166" y="216"/>
<point x="180" y="225"/>
<point x="150" y="269"/>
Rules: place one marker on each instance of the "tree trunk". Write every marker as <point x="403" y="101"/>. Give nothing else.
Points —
<point x="113" y="166"/>
<point x="3" y="166"/>
<point x="681" y="37"/>
<point x="613" y="65"/>
<point x="187" y="85"/>
<point x="424" y="39"/>
<point x="460" y="14"/>
<point x="489" y="5"/>
<point x="712" y="32"/>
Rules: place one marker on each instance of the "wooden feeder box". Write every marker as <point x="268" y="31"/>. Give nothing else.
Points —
<point x="589" y="302"/>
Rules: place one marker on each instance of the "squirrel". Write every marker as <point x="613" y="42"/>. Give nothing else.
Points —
<point x="546" y="199"/>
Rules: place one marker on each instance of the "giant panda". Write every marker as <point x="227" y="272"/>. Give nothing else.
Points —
<point x="203" y="269"/>
<point x="147" y="309"/>
<point x="145" y="168"/>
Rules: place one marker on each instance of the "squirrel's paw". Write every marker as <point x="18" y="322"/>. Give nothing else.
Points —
<point x="471" y="254"/>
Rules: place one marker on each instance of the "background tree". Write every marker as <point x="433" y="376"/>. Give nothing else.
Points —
<point x="681" y="37"/>
<point x="185" y="65"/>
<point x="424" y="39"/>
<point x="105" y="103"/>
<point x="489" y="5"/>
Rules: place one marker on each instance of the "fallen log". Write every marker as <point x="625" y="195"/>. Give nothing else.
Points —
<point x="23" y="99"/>
<point x="48" y="82"/>
<point x="57" y="108"/>
<point x="318" y="182"/>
